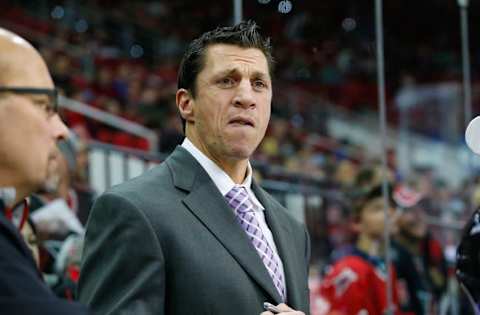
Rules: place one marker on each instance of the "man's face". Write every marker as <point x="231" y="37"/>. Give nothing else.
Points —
<point x="412" y="223"/>
<point x="372" y="219"/>
<point x="28" y="130"/>
<point x="231" y="110"/>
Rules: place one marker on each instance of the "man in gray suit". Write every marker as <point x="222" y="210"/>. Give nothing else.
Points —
<point x="196" y="234"/>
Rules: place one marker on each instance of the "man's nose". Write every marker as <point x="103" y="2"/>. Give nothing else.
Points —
<point x="245" y="95"/>
<point x="58" y="128"/>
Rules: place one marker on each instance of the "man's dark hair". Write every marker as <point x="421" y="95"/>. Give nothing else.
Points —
<point x="360" y="198"/>
<point x="245" y="34"/>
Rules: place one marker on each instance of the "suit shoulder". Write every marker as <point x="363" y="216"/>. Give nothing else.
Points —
<point x="159" y="176"/>
<point x="149" y="193"/>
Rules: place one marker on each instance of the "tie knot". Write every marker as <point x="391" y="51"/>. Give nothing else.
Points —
<point x="239" y="200"/>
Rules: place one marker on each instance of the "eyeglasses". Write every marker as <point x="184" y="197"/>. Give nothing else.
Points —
<point x="50" y="108"/>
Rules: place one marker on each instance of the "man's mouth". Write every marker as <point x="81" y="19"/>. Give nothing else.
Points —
<point x="242" y="121"/>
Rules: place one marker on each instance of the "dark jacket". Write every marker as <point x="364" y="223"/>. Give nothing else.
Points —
<point x="22" y="290"/>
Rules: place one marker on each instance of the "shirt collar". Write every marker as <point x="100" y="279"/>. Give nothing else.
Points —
<point x="221" y="179"/>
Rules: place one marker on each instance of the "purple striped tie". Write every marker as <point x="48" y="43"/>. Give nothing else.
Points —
<point x="242" y="205"/>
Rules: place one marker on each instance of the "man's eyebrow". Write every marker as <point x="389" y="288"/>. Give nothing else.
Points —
<point x="228" y="72"/>
<point x="255" y="74"/>
<point x="41" y="98"/>
<point x="260" y="75"/>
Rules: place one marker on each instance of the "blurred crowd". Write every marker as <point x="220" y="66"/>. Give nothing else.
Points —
<point x="124" y="59"/>
<point x="424" y="229"/>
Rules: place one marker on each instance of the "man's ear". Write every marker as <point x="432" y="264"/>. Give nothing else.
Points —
<point x="185" y="104"/>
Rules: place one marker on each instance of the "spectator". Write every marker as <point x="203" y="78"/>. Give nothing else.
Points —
<point x="426" y="281"/>
<point x="356" y="282"/>
<point x="27" y="101"/>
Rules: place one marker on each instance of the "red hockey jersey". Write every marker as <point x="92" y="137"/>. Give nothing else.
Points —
<point x="356" y="285"/>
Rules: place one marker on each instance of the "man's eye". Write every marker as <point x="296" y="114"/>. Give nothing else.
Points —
<point x="50" y="109"/>
<point x="225" y="82"/>
<point x="259" y="84"/>
<point x="47" y="108"/>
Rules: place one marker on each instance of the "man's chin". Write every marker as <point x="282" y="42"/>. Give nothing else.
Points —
<point x="241" y="153"/>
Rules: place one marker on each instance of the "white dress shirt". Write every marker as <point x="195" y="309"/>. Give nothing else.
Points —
<point x="224" y="184"/>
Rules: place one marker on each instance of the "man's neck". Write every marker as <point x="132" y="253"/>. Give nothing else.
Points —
<point x="237" y="172"/>
<point x="372" y="247"/>
<point x="411" y="243"/>
<point x="236" y="169"/>
<point x="13" y="192"/>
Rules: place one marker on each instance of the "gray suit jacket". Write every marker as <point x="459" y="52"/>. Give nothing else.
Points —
<point x="168" y="243"/>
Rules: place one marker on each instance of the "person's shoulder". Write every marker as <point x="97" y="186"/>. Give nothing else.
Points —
<point x="159" y="172"/>
<point x="355" y="262"/>
<point x="5" y="225"/>
<point x="22" y="290"/>
<point x="10" y="237"/>
<point x="157" y="180"/>
<point x="150" y="192"/>
<point x="400" y="254"/>
<point x="347" y="273"/>
<point x="349" y="265"/>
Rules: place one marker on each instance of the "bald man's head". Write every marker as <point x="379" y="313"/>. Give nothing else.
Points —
<point x="20" y="63"/>
<point x="29" y="129"/>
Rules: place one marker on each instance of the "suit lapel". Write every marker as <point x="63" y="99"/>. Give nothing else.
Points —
<point x="209" y="207"/>
<point x="285" y="246"/>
